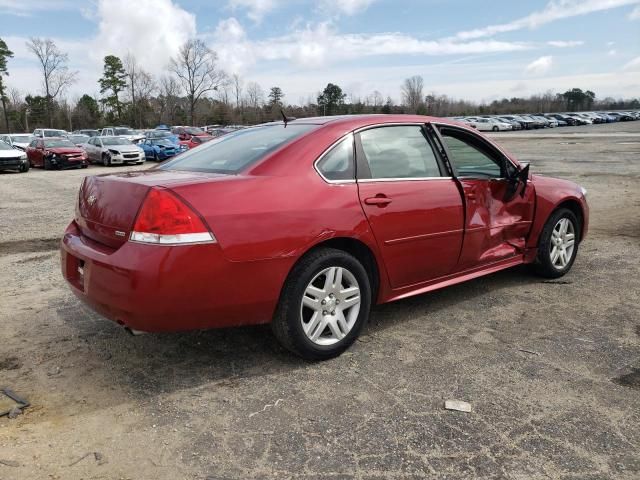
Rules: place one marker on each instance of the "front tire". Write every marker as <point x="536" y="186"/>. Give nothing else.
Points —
<point x="106" y="160"/>
<point x="324" y="305"/>
<point x="25" y="168"/>
<point x="495" y="129"/>
<point x="558" y="245"/>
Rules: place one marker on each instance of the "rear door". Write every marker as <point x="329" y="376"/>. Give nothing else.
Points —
<point x="497" y="221"/>
<point x="414" y="208"/>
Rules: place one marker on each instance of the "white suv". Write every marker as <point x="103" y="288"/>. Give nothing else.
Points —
<point x="49" y="132"/>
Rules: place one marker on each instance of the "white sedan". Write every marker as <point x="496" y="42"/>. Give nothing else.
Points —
<point x="489" y="124"/>
<point x="113" y="151"/>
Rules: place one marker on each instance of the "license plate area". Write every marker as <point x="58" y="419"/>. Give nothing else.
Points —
<point x="76" y="269"/>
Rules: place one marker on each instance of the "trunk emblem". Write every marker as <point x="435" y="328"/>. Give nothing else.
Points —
<point x="91" y="200"/>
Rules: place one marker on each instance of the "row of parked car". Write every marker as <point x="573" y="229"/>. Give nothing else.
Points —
<point x="56" y="149"/>
<point x="499" y="123"/>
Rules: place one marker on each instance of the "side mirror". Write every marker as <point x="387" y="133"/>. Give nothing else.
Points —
<point x="518" y="178"/>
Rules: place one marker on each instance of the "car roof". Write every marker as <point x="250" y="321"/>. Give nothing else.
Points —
<point x="358" y="121"/>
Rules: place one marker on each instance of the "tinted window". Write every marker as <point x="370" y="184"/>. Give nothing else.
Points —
<point x="58" y="143"/>
<point x="337" y="164"/>
<point x="236" y="151"/>
<point x="468" y="157"/>
<point x="54" y="133"/>
<point x="5" y="146"/>
<point x="399" y="152"/>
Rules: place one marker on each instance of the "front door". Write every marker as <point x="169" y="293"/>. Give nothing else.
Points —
<point x="497" y="220"/>
<point x="414" y="208"/>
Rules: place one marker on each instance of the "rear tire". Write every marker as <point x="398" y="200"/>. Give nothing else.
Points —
<point x="558" y="244"/>
<point x="310" y="320"/>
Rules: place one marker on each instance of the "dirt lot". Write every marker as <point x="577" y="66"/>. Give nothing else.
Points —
<point x="232" y="404"/>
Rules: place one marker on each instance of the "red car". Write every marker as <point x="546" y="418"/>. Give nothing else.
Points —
<point x="191" y="137"/>
<point x="50" y="153"/>
<point x="307" y="224"/>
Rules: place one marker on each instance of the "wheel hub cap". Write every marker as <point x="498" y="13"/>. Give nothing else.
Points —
<point x="330" y="306"/>
<point x="562" y="243"/>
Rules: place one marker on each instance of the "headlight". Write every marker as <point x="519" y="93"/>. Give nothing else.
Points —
<point x="23" y="156"/>
<point x="584" y="191"/>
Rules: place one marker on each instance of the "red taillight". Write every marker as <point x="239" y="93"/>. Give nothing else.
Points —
<point x="165" y="219"/>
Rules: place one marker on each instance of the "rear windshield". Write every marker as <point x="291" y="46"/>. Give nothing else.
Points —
<point x="58" y="143"/>
<point x="235" y="151"/>
<point x="54" y="133"/>
<point x="116" y="141"/>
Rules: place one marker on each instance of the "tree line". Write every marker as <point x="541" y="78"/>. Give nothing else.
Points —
<point x="196" y="91"/>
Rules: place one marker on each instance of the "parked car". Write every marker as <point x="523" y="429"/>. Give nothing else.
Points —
<point x="559" y="121"/>
<point x="166" y="134"/>
<point x="113" y="151"/>
<point x="55" y="153"/>
<point x="622" y="117"/>
<point x="49" y="132"/>
<point x="489" y="124"/>
<point x="159" y="149"/>
<point x="515" y="125"/>
<point x="12" y="158"/>
<point x="525" y="123"/>
<point x="579" y="119"/>
<point x="211" y="238"/>
<point x="122" y="132"/>
<point x="187" y="135"/>
<point x="79" y="139"/>
<point x="87" y="131"/>
<point x="566" y="118"/>
<point x="17" y="140"/>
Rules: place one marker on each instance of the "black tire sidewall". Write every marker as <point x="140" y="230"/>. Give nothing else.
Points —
<point x="299" y="282"/>
<point x="544" y="265"/>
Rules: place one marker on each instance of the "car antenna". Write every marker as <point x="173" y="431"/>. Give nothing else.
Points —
<point x="286" y="119"/>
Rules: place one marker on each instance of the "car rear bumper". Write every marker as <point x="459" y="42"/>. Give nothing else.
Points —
<point x="163" y="288"/>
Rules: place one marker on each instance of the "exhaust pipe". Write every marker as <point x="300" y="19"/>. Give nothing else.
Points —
<point x="133" y="332"/>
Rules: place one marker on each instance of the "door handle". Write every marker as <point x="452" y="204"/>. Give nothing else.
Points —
<point x="379" y="200"/>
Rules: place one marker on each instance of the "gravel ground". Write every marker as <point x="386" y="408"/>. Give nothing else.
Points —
<point x="551" y="369"/>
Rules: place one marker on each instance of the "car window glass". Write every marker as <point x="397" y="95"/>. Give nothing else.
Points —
<point x="338" y="163"/>
<point x="468" y="157"/>
<point x="398" y="152"/>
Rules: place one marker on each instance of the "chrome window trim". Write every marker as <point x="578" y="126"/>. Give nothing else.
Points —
<point x="403" y="179"/>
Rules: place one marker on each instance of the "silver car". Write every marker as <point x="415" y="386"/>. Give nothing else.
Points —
<point x="113" y="151"/>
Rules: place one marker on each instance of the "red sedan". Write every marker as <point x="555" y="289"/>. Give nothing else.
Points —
<point x="50" y="153"/>
<point x="307" y="224"/>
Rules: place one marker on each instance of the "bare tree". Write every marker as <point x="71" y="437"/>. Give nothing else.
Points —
<point x="236" y="86"/>
<point x="255" y="98"/>
<point x="55" y="72"/>
<point x="197" y="71"/>
<point x="168" y="90"/>
<point x="141" y="85"/>
<point x="412" y="95"/>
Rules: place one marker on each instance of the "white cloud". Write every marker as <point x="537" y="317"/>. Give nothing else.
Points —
<point x="346" y="7"/>
<point x="632" y="65"/>
<point x="151" y="43"/>
<point x="565" y="44"/>
<point x="555" y="10"/>
<point x="256" y="9"/>
<point x="317" y="45"/>
<point x="26" y="8"/>
<point x="612" y="53"/>
<point x="635" y="14"/>
<point x="540" y="66"/>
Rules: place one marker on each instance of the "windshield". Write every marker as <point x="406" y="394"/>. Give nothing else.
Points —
<point x="58" y="143"/>
<point x="163" y="142"/>
<point x="116" y="141"/>
<point x="79" y="138"/>
<point x="21" y="138"/>
<point x="194" y="131"/>
<point x="55" y="133"/>
<point x="235" y="151"/>
<point x="5" y="146"/>
<point x="123" y="131"/>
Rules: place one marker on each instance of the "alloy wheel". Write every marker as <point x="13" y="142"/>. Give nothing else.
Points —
<point x="563" y="237"/>
<point x="330" y="306"/>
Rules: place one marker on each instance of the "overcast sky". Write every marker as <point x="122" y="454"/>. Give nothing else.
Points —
<point x="474" y="49"/>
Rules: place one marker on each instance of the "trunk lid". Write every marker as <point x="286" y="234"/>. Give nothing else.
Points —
<point x="108" y="204"/>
